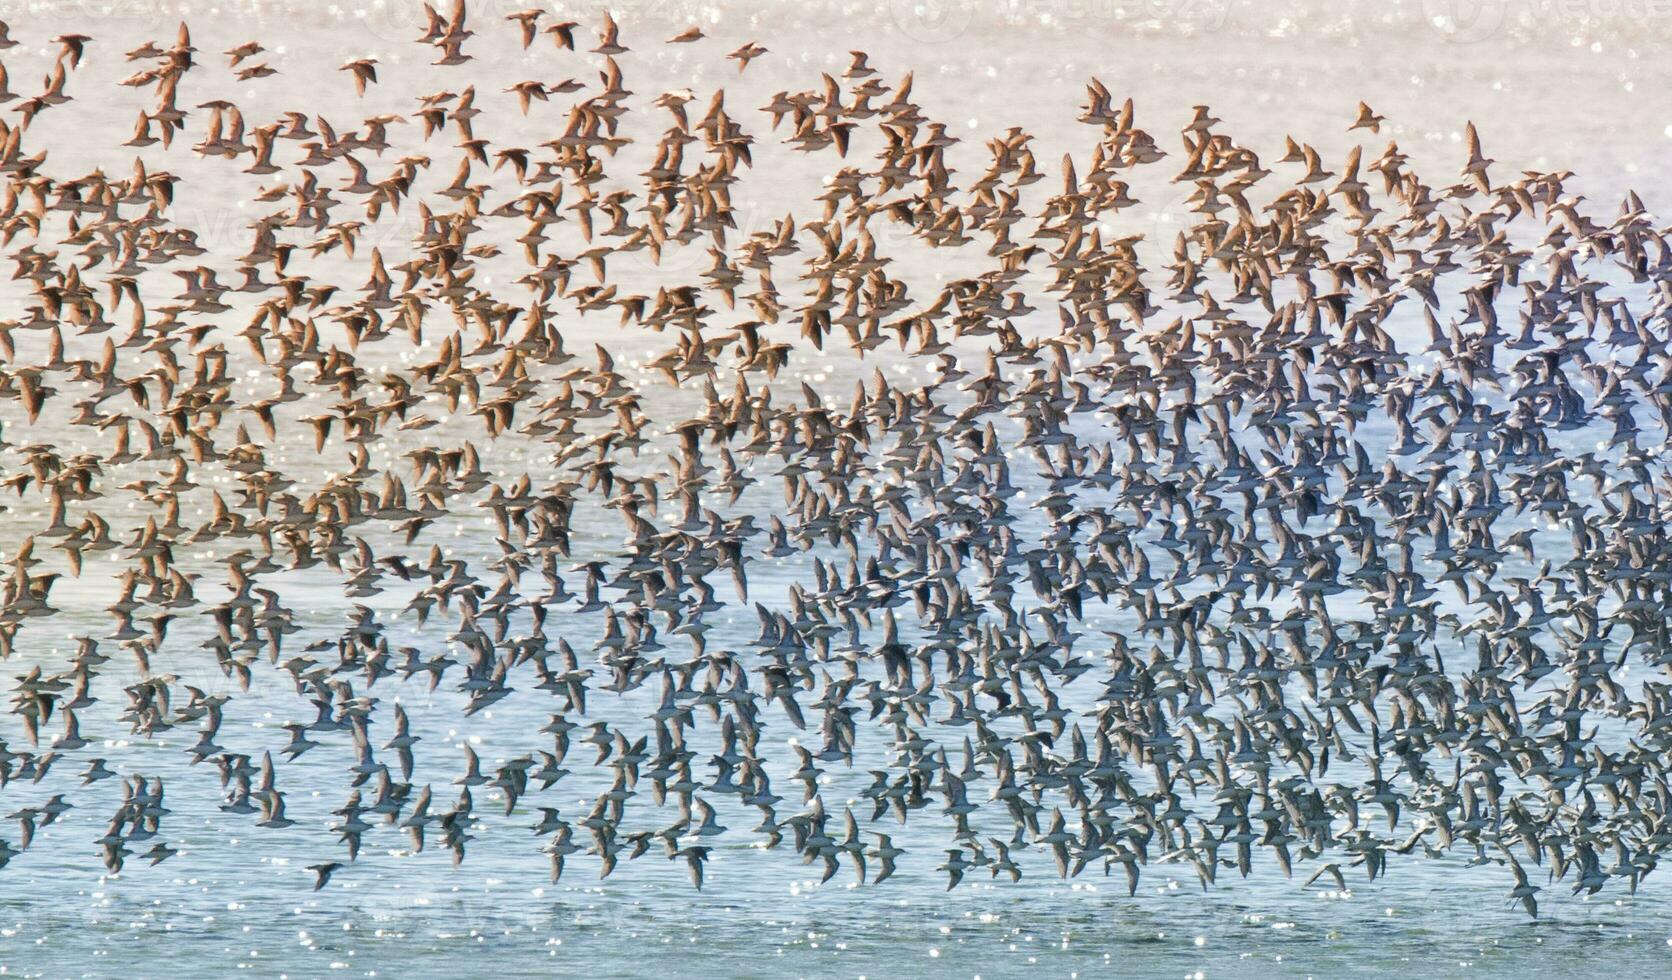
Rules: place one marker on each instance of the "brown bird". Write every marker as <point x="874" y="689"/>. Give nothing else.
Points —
<point x="1367" y="120"/>
<point x="364" y="69"/>
<point x="526" y="19"/>
<point x="563" y="34"/>
<point x="74" y="45"/>
<point x="242" y="51"/>
<point x="746" y="54"/>
<point x="609" y="39"/>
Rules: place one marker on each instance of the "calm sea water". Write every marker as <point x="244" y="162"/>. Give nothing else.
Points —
<point x="1550" y="87"/>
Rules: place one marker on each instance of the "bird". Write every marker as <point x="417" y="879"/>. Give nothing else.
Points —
<point x="526" y="20"/>
<point x="1367" y="120"/>
<point x="1332" y="870"/>
<point x="1325" y="534"/>
<point x="323" y="872"/>
<point x="364" y="71"/>
<point x="745" y="54"/>
<point x="248" y="49"/>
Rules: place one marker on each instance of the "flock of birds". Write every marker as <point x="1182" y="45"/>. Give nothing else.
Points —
<point x="1203" y="564"/>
